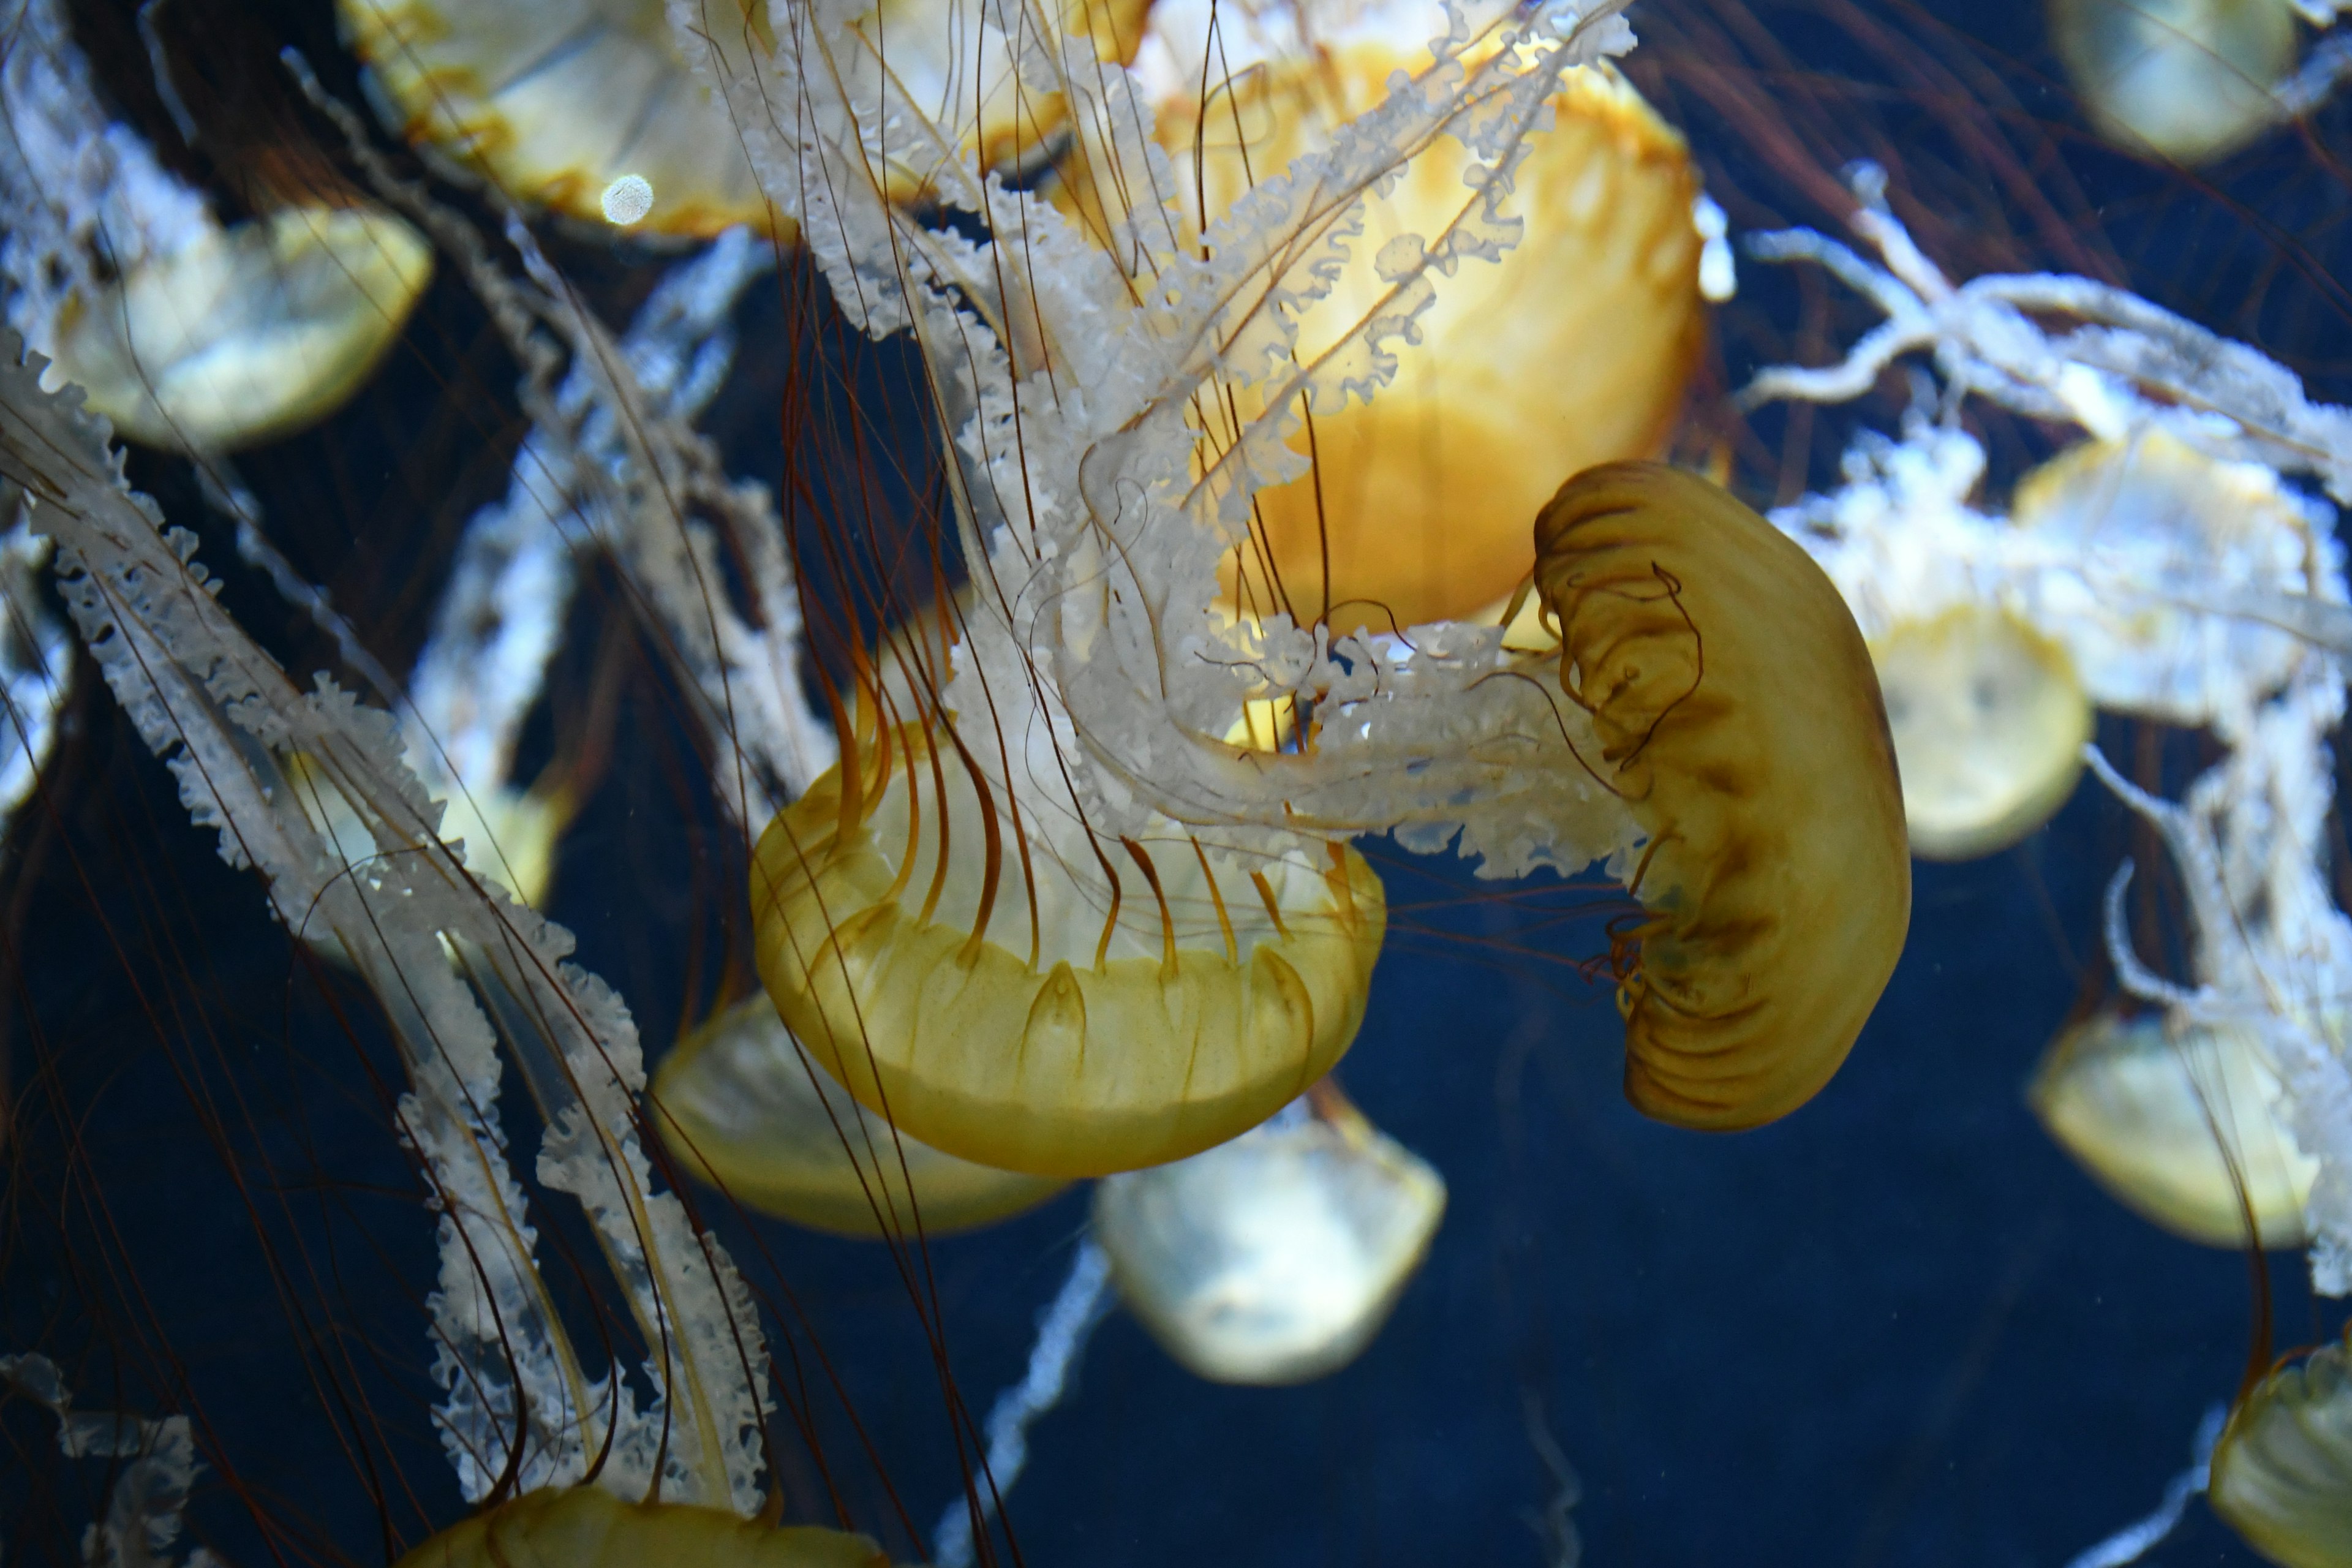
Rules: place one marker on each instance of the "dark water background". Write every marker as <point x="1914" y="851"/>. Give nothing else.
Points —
<point x="1897" y="1328"/>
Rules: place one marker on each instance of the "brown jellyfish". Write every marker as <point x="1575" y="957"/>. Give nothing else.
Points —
<point x="581" y="1527"/>
<point x="1740" y="719"/>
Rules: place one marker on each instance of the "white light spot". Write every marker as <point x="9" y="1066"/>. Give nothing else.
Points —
<point x="1718" y="276"/>
<point x="628" y="199"/>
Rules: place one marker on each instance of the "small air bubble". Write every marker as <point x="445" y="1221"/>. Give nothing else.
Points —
<point x="628" y="199"/>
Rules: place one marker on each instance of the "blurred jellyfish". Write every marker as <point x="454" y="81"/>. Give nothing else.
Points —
<point x="741" y="1106"/>
<point x="1274" y="1258"/>
<point x="185" y="333"/>
<point x="2193" y="79"/>
<point x="2282" y="1473"/>
<point x="2181" y="1123"/>
<point x="1989" y="723"/>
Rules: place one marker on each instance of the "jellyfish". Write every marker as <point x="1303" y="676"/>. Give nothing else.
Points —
<point x="1753" y="748"/>
<point x="2282" y="1473"/>
<point x="2192" y="79"/>
<point x="1988" y="724"/>
<point x="1416" y="506"/>
<point x="741" y="1105"/>
<point x="1276" y="1258"/>
<point x="586" y="1527"/>
<point x="2177" y="1120"/>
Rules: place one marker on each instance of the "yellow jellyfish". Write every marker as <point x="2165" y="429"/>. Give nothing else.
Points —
<point x="2160" y="1113"/>
<point x="1274" y="1258"/>
<point x="2192" y="79"/>
<point x="1577" y="345"/>
<point x="581" y="1527"/>
<point x="1740" y="720"/>
<point x="741" y="1106"/>
<point x="998" y="986"/>
<point x="2167" y="543"/>
<point x="2282" y="1473"/>
<point x="1988" y="724"/>
<point x="248" y="333"/>
<point x="587" y="106"/>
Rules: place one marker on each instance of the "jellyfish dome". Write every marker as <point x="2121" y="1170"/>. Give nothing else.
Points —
<point x="1741" y="719"/>
<point x="581" y="1527"/>
<point x="2282" y="1473"/>
<point x="2191" y="79"/>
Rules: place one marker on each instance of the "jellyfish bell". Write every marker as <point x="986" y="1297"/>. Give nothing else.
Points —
<point x="1988" y="724"/>
<point x="2176" y="1121"/>
<point x="2282" y="1473"/>
<point x="585" y="1527"/>
<point x="741" y="1106"/>
<point x="1576" y="345"/>
<point x="2191" y="79"/>
<point x="1274" y="1258"/>
<point x="2168" y="540"/>
<point x="248" y="333"/>
<point x="989" y="981"/>
<point x="1740" y="720"/>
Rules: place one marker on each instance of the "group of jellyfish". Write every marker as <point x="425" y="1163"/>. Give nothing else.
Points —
<point x="1302" y="370"/>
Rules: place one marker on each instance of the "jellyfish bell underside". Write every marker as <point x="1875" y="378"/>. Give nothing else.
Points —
<point x="741" y="1107"/>
<point x="1420" y="499"/>
<point x="1084" y="1028"/>
<point x="1274" y="1258"/>
<point x="1741" y="719"/>
<point x="2138" y="1103"/>
<point x="1988" y="724"/>
<point x="2282" y="1473"/>
<point x="583" y="1526"/>
<point x="247" y="334"/>
<point x="2190" y="80"/>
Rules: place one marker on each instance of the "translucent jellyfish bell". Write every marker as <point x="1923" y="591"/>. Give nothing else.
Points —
<point x="1988" y="724"/>
<point x="2165" y="538"/>
<point x="2192" y="79"/>
<point x="556" y="100"/>
<point x="248" y="333"/>
<point x="743" y="1106"/>
<point x="581" y="1527"/>
<point x="970" y="966"/>
<point x="2138" y="1103"/>
<point x="1575" y="347"/>
<point x="1274" y="1258"/>
<point x="1740" y="722"/>
<point x="2282" y="1473"/>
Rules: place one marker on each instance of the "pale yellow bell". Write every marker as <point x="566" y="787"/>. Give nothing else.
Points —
<point x="1274" y="1258"/>
<point x="1988" y="724"/>
<point x="581" y="1527"/>
<point x="2140" y="1104"/>
<point x="248" y="333"/>
<point x="2191" y="79"/>
<point x="743" y="1106"/>
<point x="2282" y="1473"/>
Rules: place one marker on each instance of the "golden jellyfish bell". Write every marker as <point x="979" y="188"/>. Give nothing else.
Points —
<point x="974" y="974"/>
<point x="1575" y="347"/>
<point x="2138" y="1102"/>
<point x="557" y="101"/>
<point x="1740" y="720"/>
<point x="2282" y="1473"/>
<point x="581" y="1527"/>
<point x="1988" y="724"/>
<point x="248" y="333"/>
<point x="2191" y="79"/>
<point x="1274" y="1258"/>
<point x="741" y="1106"/>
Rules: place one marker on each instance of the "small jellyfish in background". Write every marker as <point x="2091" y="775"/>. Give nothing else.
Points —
<point x="741" y="1106"/>
<point x="2282" y="1473"/>
<point x="985" y="997"/>
<point x="2177" y="1120"/>
<point x="581" y="1527"/>
<point x="1988" y="724"/>
<point x="1577" y="345"/>
<point x="2193" y="79"/>
<point x="1741" y="722"/>
<point x="1274" y="1258"/>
